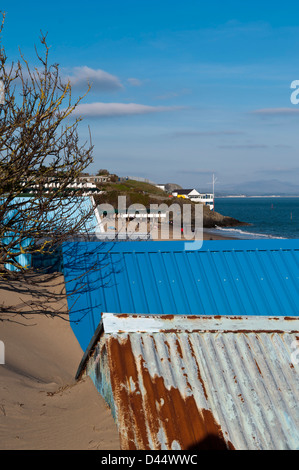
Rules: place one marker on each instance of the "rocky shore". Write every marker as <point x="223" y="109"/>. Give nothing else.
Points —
<point x="213" y="219"/>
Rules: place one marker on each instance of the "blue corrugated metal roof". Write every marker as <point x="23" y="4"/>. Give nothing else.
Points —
<point x="241" y="277"/>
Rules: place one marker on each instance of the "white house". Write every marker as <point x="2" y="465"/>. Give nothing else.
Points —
<point x="195" y="196"/>
<point x="86" y="183"/>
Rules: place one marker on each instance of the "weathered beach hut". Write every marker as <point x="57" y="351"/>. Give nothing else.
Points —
<point x="201" y="350"/>
<point x="68" y="209"/>
<point x="198" y="383"/>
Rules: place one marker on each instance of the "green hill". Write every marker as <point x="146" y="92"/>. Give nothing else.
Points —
<point x="137" y="192"/>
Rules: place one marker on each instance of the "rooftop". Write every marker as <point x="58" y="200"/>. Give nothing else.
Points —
<point x="238" y="277"/>
<point x="179" y="382"/>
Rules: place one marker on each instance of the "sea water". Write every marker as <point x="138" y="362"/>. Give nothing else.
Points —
<point x="269" y="217"/>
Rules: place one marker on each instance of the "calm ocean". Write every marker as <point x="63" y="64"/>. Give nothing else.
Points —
<point x="270" y="217"/>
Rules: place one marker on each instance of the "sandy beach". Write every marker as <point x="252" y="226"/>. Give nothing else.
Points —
<point x="205" y="236"/>
<point x="166" y="233"/>
<point x="41" y="405"/>
<point x="210" y="236"/>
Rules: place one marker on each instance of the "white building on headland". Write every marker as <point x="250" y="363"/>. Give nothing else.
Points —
<point x="205" y="198"/>
<point x="85" y="183"/>
<point x="161" y="186"/>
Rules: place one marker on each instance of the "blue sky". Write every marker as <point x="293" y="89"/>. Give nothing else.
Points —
<point x="181" y="89"/>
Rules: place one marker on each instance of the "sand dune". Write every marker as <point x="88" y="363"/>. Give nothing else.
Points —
<point x="41" y="405"/>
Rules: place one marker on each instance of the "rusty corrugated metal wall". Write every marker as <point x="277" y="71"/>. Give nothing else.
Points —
<point x="200" y="383"/>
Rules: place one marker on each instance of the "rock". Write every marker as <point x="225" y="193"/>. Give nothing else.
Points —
<point x="212" y="219"/>
<point x="170" y="187"/>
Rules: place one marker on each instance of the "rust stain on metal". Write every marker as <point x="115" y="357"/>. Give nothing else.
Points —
<point x="129" y="405"/>
<point x="241" y="398"/>
<point x="226" y="331"/>
<point x="168" y="317"/>
<point x="150" y="410"/>
<point x="170" y="385"/>
<point x="179" y="349"/>
<point x="258" y="368"/>
<point x="202" y="384"/>
<point x="198" y="370"/>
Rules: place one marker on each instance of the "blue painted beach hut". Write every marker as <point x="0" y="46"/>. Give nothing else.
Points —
<point x="53" y="261"/>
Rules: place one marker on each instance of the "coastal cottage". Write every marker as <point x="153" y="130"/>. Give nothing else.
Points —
<point x="194" y="196"/>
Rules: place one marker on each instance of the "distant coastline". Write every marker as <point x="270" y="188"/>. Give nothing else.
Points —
<point x="257" y="196"/>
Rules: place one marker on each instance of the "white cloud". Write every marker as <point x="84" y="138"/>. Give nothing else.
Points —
<point x="119" y="109"/>
<point x="206" y="133"/>
<point x="99" y="79"/>
<point x="173" y="94"/>
<point x="276" y="112"/>
<point x="245" y="146"/>
<point x="134" y="81"/>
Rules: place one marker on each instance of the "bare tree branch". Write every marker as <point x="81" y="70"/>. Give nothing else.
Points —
<point x="40" y="156"/>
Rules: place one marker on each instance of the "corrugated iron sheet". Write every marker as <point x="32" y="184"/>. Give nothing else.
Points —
<point x="241" y="277"/>
<point x="199" y="383"/>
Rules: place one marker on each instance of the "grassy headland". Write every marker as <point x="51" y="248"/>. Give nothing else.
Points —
<point x="147" y="194"/>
